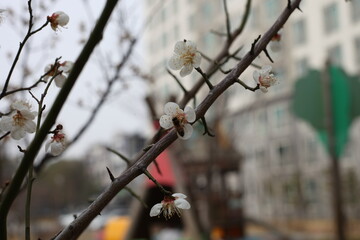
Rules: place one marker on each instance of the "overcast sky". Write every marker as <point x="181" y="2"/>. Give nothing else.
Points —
<point x="124" y="111"/>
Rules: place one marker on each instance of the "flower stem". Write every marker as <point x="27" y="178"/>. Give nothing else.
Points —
<point x="163" y="190"/>
<point x="205" y="77"/>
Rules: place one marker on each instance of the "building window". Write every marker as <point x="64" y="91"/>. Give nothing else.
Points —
<point x="355" y="10"/>
<point x="284" y="154"/>
<point x="280" y="116"/>
<point x="311" y="191"/>
<point x="357" y="50"/>
<point x="301" y="67"/>
<point x="312" y="148"/>
<point x="335" y="55"/>
<point x="331" y="18"/>
<point x="299" y="32"/>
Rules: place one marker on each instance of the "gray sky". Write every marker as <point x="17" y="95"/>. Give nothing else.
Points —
<point x="124" y="111"/>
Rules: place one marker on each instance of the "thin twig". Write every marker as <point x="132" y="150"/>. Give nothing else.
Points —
<point x="218" y="33"/>
<point x="247" y="87"/>
<point x="112" y="178"/>
<point x="227" y="21"/>
<point x="205" y="77"/>
<point x="177" y="81"/>
<point x="206" y="128"/>
<point x="162" y="189"/>
<point x="3" y="136"/>
<point x="136" y="196"/>
<point x="21" y="45"/>
<point x="268" y="55"/>
<point x="41" y="79"/>
<point x="128" y="162"/>
<point x="28" y="203"/>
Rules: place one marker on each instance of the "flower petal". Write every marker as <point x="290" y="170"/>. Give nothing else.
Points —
<point x="156" y="210"/>
<point x="29" y="126"/>
<point x="20" y="105"/>
<point x="180" y="47"/>
<point x="28" y="115"/>
<point x="186" y="70"/>
<point x="166" y="122"/>
<point x="63" y="19"/>
<point x="263" y="89"/>
<point x="6" y="123"/>
<point x="265" y="70"/>
<point x="56" y="148"/>
<point x="196" y="60"/>
<point x="188" y="130"/>
<point x="60" y="80"/>
<point x="190" y="114"/>
<point x="191" y="46"/>
<point x="66" y="66"/>
<point x="179" y="195"/>
<point x="18" y="133"/>
<point x="175" y="62"/>
<point x="182" y="203"/>
<point x="256" y="76"/>
<point x="171" y="109"/>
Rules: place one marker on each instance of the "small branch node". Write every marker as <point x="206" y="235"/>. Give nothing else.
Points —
<point x="205" y="77"/>
<point x="112" y="178"/>
<point x="147" y="148"/>
<point x="247" y="87"/>
<point x="20" y="149"/>
<point x="252" y="51"/>
<point x="268" y="55"/>
<point x="206" y="128"/>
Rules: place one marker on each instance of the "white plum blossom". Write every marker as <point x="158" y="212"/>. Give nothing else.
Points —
<point x="57" y="19"/>
<point x="170" y="205"/>
<point x="179" y="119"/>
<point x="185" y="57"/>
<point x="57" y="144"/>
<point x="275" y="43"/>
<point x="264" y="78"/>
<point x="60" y="71"/>
<point x="20" y="121"/>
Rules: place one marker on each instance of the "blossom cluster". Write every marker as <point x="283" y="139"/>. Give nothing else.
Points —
<point x="59" y="71"/>
<point x="20" y="121"/>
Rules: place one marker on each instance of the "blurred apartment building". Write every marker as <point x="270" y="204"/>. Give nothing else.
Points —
<point x="285" y="171"/>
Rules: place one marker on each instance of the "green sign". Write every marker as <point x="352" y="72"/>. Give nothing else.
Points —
<point x="308" y="103"/>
